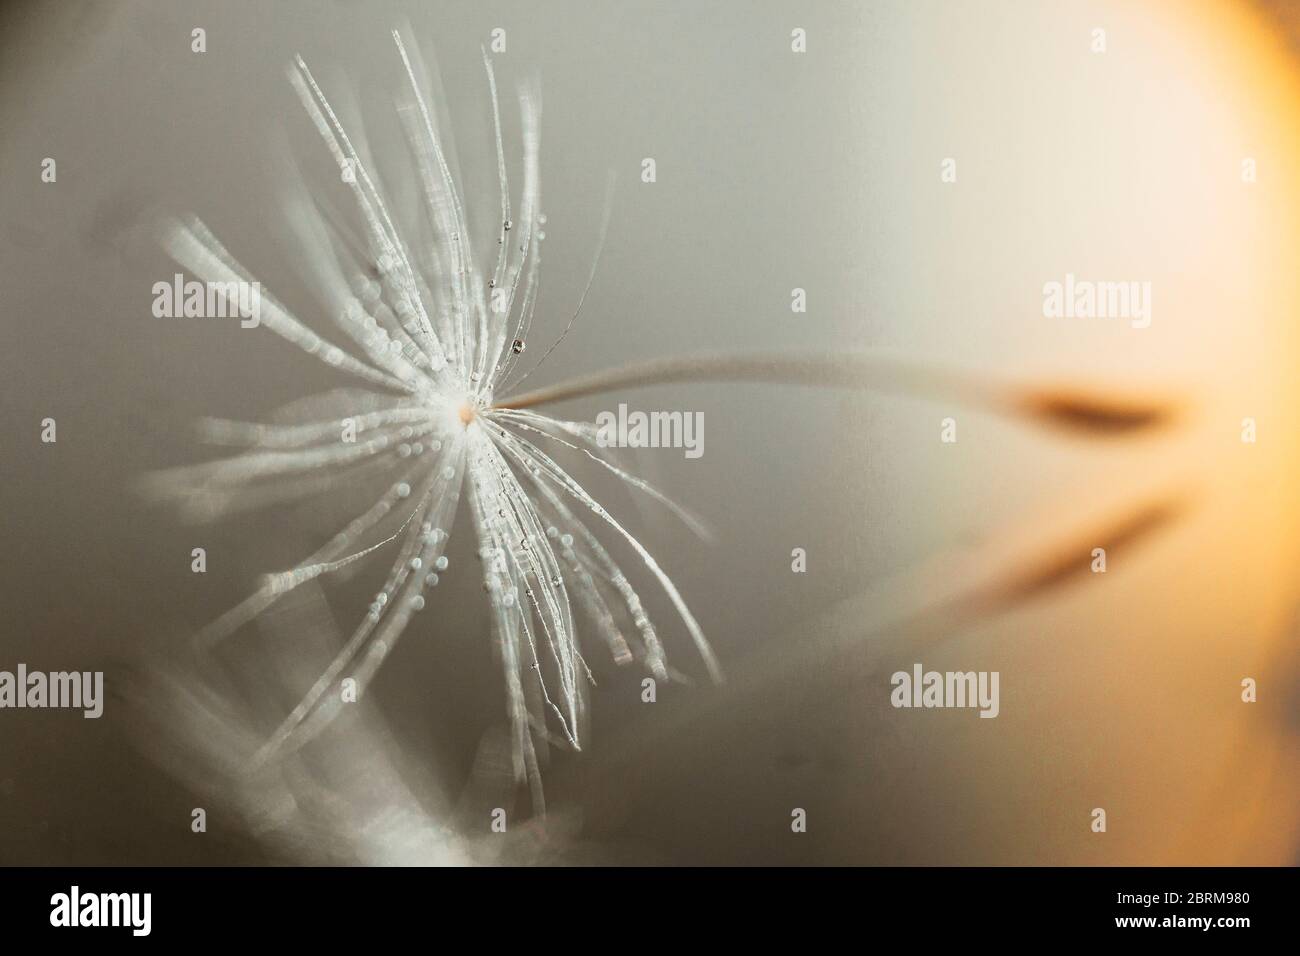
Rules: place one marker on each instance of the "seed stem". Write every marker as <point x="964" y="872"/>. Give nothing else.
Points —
<point x="1071" y="408"/>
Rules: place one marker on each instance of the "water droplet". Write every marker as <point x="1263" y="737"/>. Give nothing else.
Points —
<point x="381" y="598"/>
<point x="441" y="563"/>
<point x="552" y="532"/>
<point x="541" y="219"/>
<point x="517" y="346"/>
<point x="403" y="489"/>
<point x="416" y="564"/>
<point x="508" y="224"/>
<point x="417" y="603"/>
<point x="431" y="581"/>
<point x="448" y="473"/>
<point x="566" y="540"/>
<point x="541" y="235"/>
<point x="508" y="599"/>
<point x="403" y="450"/>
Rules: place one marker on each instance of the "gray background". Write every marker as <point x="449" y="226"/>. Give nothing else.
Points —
<point x="774" y="171"/>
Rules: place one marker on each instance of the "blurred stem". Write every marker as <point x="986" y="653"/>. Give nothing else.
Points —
<point x="1077" y="409"/>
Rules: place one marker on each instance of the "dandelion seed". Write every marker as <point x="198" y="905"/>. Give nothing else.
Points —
<point x="414" y="324"/>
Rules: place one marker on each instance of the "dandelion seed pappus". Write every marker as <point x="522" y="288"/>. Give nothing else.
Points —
<point x="434" y="332"/>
